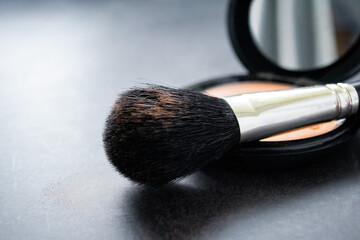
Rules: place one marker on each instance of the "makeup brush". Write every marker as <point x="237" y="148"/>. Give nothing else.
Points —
<point x="157" y="134"/>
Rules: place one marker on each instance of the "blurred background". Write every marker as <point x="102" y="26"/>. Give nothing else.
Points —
<point x="62" y="64"/>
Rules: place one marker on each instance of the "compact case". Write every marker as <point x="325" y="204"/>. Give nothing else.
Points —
<point x="283" y="154"/>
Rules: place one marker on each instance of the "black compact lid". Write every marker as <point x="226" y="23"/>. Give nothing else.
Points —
<point x="252" y="58"/>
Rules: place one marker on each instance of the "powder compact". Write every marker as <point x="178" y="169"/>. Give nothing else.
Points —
<point x="289" y="44"/>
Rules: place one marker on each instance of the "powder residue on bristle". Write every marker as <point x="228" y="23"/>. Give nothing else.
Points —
<point x="156" y="105"/>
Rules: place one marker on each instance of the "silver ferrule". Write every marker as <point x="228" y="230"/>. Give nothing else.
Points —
<point x="264" y="114"/>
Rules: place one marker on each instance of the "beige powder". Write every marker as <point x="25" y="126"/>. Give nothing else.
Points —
<point x="257" y="86"/>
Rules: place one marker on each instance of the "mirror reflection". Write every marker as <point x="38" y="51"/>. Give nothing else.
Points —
<point x="304" y="34"/>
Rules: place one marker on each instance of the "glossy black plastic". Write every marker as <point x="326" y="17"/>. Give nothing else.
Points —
<point x="286" y="153"/>
<point x="255" y="61"/>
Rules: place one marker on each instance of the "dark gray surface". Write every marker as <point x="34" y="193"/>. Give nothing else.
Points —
<point x="61" y="67"/>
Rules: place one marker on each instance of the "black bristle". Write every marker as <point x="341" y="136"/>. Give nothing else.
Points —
<point x="158" y="134"/>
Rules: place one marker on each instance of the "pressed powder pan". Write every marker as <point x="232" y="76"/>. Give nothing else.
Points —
<point x="313" y="130"/>
<point x="285" y="150"/>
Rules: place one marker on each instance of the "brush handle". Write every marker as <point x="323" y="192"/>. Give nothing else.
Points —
<point x="263" y="114"/>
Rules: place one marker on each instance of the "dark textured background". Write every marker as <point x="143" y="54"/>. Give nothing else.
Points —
<point x="62" y="63"/>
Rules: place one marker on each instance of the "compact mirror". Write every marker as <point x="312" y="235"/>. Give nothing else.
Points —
<point x="304" y="35"/>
